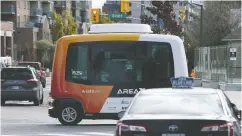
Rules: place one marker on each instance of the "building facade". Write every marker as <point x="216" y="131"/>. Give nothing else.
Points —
<point x="14" y="11"/>
<point x="81" y="12"/>
<point x="60" y="6"/>
<point x="7" y="29"/>
<point x="31" y="21"/>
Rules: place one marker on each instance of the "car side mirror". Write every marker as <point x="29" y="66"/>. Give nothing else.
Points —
<point x="238" y="114"/>
<point x="236" y="111"/>
<point x="233" y="106"/>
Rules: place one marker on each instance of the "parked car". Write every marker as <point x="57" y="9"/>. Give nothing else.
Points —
<point x="38" y="67"/>
<point x="20" y="84"/>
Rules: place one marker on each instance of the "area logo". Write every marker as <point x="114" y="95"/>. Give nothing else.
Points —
<point x="129" y="91"/>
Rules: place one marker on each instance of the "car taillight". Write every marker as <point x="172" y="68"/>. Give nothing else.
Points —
<point x="121" y="128"/>
<point x="216" y="127"/>
<point x="32" y="81"/>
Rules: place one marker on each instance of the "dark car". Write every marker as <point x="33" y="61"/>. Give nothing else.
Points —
<point x="20" y="84"/>
<point x="180" y="112"/>
<point x="38" y="67"/>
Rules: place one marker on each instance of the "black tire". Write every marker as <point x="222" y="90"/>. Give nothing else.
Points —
<point x="36" y="102"/>
<point x="78" y="118"/>
<point x="43" y="84"/>
<point x="42" y="99"/>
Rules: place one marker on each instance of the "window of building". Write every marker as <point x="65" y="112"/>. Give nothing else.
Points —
<point x="25" y="4"/>
<point x="28" y="5"/>
<point x="18" y="4"/>
<point x="35" y="36"/>
<point x="18" y="20"/>
<point x="73" y="12"/>
<point x="25" y="18"/>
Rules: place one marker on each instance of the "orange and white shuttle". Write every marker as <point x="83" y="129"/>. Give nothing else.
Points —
<point x="96" y="75"/>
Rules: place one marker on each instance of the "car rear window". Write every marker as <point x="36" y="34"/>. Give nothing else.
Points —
<point x="16" y="74"/>
<point x="34" y="65"/>
<point x="177" y="104"/>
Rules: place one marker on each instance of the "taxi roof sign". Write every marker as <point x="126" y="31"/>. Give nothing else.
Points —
<point x="182" y="82"/>
<point x="120" y="28"/>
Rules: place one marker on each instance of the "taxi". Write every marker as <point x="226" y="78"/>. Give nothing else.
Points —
<point x="182" y="110"/>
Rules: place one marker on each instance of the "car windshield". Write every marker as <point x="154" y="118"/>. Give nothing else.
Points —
<point x="16" y="74"/>
<point x="116" y="62"/>
<point x="177" y="104"/>
<point x="34" y="65"/>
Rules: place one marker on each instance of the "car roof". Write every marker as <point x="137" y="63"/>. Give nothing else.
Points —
<point x="195" y="90"/>
<point x="18" y="67"/>
<point x="28" y="62"/>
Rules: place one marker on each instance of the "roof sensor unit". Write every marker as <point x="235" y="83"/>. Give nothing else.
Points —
<point x="120" y="28"/>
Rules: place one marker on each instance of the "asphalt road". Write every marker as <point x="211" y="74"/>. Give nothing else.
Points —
<point x="24" y="119"/>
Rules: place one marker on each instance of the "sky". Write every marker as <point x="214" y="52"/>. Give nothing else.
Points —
<point x="97" y="3"/>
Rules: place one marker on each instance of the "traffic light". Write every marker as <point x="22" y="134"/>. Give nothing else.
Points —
<point x="182" y="14"/>
<point x="125" y="6"/>
<point x="95" y="15"/>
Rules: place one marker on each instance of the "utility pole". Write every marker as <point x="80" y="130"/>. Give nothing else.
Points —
<point x="201" y="26"/>
<point x="158" y="20"/>
<point x="158" y="24"/>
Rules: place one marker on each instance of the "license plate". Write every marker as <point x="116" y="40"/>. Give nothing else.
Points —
<point x="173" y="134"/>
<point x="15" y="87"/>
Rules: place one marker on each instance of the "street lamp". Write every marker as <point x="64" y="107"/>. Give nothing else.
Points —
<point x="201" y="23"/>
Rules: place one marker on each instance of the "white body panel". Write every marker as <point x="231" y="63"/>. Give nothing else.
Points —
<point x="116" y="104"/>
<point x="120" y="28"/>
